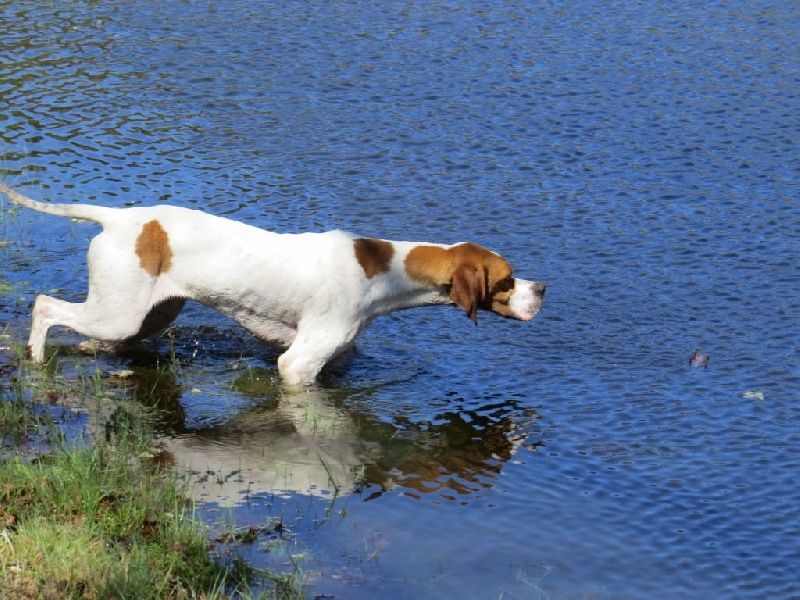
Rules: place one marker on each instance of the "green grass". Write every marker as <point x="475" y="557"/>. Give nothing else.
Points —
<point x="98" y="519"/>
<point x="5" y="286"/>
<point x="98" y="522"/>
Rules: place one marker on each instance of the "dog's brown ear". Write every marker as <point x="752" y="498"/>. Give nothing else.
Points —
<point x="469" y="289"/>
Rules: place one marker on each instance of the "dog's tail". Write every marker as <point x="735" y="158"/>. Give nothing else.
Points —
<point x="98" y="214"/>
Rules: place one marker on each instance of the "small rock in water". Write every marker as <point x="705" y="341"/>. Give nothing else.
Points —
<point x="699" y="360"/>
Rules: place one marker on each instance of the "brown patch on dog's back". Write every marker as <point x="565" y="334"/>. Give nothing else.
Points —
<point x="152" y="248"/>
<point x="374" y="256"/>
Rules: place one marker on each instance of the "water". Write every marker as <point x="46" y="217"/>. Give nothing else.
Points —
<point x="641" y="158"/>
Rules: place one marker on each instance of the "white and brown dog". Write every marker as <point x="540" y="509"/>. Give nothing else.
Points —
<point x="311" y="293"/>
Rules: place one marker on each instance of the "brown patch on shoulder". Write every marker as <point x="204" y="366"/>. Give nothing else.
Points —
<point x="374" y="256"/>
<point x="152" y="248"/>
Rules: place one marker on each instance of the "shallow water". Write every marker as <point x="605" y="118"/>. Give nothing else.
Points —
<point x="640" y="158"/>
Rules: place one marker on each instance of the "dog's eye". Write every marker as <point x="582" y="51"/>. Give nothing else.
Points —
<point x="506" y="284"/>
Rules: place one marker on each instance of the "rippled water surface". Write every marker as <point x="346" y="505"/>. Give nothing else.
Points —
<point x="641" y="158"/>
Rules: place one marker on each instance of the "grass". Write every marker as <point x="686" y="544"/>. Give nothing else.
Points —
<point x="5" y="286"/>
<point x="97" y="518"/>
<point x="98" y="522"/>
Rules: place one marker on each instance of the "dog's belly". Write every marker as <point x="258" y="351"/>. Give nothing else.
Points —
<point x="274" y="333"/>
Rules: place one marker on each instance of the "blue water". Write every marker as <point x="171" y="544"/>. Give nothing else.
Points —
<point x="641" y="158"/>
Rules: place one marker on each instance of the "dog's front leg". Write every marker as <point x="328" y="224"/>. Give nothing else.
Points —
<point x="311" y="351"/>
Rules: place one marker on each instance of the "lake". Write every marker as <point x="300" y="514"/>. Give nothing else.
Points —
<point x="641" y="158"/>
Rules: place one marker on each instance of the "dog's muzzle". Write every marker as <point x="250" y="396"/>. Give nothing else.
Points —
<point x="527" y="299"/>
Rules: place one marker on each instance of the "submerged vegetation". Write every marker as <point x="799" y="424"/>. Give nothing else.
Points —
<point x="94" y="515"/>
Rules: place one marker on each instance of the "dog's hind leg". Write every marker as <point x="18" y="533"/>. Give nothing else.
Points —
<point x="42" y="322"/>
<point x="125" y="301"/>
<point x="47" y="312"/>
<point x="104" y="321"/>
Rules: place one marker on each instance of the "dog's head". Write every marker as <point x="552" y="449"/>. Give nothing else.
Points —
<point x="477" y="279"/>
<point x="483" y="280"/>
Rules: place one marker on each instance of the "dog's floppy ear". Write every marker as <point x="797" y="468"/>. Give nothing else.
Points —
<point x="468" y="289"/>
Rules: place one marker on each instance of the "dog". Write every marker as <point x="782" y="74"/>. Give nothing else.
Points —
<point x="310" y="293"/>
